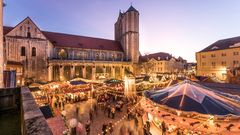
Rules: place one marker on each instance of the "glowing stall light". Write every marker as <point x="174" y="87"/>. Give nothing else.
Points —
<point x="211" y="120"/>
<point x="150" y="117"/>
<point x="129" y="86"/>
<point x="223" y="70"/>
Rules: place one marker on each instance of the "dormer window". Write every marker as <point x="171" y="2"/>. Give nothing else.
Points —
<point x="159" y="58"/>
<point x="215" y="47"/>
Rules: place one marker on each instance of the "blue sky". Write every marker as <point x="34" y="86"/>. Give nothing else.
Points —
<point x="179" y="27"/>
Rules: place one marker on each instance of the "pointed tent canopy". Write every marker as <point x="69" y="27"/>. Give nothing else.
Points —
<point x="190" y="96"/>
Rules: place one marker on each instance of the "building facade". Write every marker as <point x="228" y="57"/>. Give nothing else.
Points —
<point x="218" y="58"/>
<point x="1" y="44"/>
<point x="50" y="56"/>
<point x="162" y="63"/>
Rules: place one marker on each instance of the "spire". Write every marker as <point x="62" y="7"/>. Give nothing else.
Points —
<point x="131" y="8"/>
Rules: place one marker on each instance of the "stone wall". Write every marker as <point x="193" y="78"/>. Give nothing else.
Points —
<point x="33" y="121"/>
<point x="9" y="98"/>
<point x="28" y="37"/>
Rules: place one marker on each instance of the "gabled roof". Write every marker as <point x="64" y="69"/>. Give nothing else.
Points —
<point x="156" y="56"/>
<point x="76" y="41"/>
<point x="223" y="44"/>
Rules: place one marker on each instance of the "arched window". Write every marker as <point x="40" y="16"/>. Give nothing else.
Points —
<point x="33" y="51"/>
<point x="23" y="51"/>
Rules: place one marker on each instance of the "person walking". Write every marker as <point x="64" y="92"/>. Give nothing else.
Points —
<point x="128" y="113"/>
<point x="113" y="110"/>
<point x="87" y="127"/>
<point x="148" y="125"/>
<point x="91" y="115"/>
<point x="109" y="110"/>
<point x="104" y="129"/>
<point x="164" y="129"/>
<point x="110" y="125"/>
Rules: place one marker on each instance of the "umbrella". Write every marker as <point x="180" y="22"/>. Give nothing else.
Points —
<point x="77" y="82"/>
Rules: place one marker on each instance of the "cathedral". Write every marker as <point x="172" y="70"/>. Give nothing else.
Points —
<point x="45" y="56"/>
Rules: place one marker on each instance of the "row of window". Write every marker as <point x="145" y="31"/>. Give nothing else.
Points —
<point x="85" y="54"/>
<point x="223" y="63"/>
<point x="23" y="51"/>
<point x="223" y="54"/>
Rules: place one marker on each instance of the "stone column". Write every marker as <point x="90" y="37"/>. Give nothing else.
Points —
<point x="104" y="70"/>
<point x="50" y="73"/>
<point x="72" y="71"/>
<point x="113" y="72"/>
<point x="93" y="72"/>
<point x="1" y="45"/>
<point x="84" y="71"/>
<point x="62" y="78"/>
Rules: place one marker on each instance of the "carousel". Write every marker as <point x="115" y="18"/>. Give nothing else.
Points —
<point x="190" y="108"/>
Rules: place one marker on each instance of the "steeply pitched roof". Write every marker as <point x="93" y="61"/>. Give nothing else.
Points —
<point x="76" y="41"/>
<point x="131" y="8"/>
<point x="156" y="56"/>
<point x="223" y="44"/>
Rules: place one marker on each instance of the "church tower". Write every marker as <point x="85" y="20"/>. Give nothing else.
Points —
<point x="127" y="33"/>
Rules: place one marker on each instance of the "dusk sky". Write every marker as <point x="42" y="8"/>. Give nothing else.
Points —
<point x="180" y="27"/>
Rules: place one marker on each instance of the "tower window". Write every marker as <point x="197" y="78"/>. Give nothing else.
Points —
<point x="28" y="34"/>
<point x="23" y="51"/>
<point x="33" y="51"/>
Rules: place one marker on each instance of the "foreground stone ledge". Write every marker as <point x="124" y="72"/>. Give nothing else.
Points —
<point x="33" y="119"/>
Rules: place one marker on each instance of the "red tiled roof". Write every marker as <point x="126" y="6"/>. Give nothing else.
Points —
<point x="76" y="41"/>
<point x="67" y="40"/>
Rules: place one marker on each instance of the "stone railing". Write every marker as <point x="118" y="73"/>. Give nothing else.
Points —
<point x="33" y="121"/>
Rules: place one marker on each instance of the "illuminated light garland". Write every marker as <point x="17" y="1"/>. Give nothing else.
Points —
<point x="209" y="122"/>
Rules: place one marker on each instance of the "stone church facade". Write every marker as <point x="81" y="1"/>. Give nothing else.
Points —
<point x="50" y="56"/>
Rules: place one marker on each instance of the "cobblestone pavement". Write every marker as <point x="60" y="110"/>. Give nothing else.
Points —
<point x="101" y="118"/>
